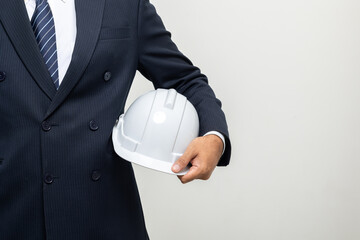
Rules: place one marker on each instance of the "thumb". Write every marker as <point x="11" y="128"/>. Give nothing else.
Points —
<point x="183" y="161"/>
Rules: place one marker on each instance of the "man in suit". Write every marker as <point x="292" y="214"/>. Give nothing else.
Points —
<point x="66" y="67"/>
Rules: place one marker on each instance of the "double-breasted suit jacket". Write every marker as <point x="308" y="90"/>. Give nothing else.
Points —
<point x="59" y="175"/>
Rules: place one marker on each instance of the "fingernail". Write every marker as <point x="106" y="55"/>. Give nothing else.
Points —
<point x="176" y="168"/>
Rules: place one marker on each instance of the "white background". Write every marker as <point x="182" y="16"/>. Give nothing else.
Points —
<point x="288" y="75"/>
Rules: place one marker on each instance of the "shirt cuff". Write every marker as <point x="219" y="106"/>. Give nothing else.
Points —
<point x="220" y="136"/>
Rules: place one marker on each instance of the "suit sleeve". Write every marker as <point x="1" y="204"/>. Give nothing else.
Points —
<point x="160" y="61"/>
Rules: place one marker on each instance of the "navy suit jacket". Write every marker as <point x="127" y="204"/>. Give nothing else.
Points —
<point x="59" y="175"/>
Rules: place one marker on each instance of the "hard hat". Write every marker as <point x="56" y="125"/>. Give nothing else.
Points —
<point x="156" y="129"/>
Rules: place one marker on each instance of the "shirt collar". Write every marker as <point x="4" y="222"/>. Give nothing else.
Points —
<point x="27" y="1"/>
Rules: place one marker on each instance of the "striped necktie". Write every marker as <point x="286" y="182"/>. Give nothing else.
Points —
<point x="43" y="25"/>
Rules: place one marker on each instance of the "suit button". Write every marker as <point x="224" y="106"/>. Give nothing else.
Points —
<point x="46" y="126"/>
<point x="95" y="176"/>
<point x="2" y="76"/>
<point x="93" y="126"/>
<point x="107" y="76"/>
<point x="48" y="179"/>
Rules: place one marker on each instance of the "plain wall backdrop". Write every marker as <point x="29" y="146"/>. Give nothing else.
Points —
<point x="288" y="75"/>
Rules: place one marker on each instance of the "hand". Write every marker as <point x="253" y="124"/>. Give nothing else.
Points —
<point x="204" y="154"/>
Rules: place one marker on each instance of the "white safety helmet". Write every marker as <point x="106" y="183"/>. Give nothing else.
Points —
<point x="156" y="129"/>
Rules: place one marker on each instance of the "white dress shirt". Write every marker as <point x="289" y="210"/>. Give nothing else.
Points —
<point x="65" y="26"/>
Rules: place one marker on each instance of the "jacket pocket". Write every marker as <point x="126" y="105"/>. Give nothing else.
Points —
<point x="115" y="33"/>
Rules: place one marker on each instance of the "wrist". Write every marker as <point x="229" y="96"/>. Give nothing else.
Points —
<point x="220" y="136"/>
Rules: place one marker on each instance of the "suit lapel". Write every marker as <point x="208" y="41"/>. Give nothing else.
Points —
<point x="16" y="23"/>
<point x="88" y="20"/>
<point x="15" y="20"/>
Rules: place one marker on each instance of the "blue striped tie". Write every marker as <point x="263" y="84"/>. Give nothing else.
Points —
<point x="43" y="25"/>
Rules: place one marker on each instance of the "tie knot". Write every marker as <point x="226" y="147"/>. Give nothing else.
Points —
<point x="39" y="2"/>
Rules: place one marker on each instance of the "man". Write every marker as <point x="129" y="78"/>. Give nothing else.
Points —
<point x="66" y="67"/>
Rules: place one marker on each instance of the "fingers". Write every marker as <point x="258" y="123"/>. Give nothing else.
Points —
<point x="204" y="154"/>
<point x="184" y="160"/>
<point x="197" y="171"/>
<point x="190" y="175"/>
